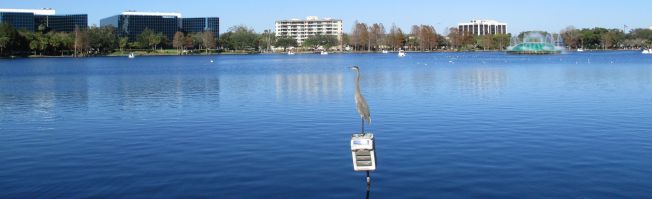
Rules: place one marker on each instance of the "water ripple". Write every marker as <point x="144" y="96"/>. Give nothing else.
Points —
<point x="486" y="125"/>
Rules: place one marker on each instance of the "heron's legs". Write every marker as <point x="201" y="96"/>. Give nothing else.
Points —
<point x="362" y="127"/>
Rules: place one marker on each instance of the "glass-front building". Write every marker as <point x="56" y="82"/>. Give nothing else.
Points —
<point x="131" y="24"/>
<point x="62" y="23"/>
<point x="201" y="24"/>
<point x="31" y="19"/>
<point x="18" y="20"/>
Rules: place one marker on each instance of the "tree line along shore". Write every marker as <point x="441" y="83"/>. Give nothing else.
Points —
<point x="105" y="41"/>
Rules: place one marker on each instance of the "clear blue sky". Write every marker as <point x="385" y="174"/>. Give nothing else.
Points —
<point x="549" y="15"/>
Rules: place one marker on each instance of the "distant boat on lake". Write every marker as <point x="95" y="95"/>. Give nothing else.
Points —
<point x="385" y="51"/>
<point x="324" y="53"/>
<point x="580" y="50"/>
<point x="647" y="51"/>
<point x="401" y="53"/>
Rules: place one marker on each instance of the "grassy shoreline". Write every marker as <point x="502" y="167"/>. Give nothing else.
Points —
<point x="172" y="52"/>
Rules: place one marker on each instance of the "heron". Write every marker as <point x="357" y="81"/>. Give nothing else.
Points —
<point x="360" y="103"/>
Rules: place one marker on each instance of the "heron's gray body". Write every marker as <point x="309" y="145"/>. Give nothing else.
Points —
<point x="360" y="103"/>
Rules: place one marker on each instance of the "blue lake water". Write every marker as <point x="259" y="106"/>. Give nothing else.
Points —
<point x="447" y="125"/>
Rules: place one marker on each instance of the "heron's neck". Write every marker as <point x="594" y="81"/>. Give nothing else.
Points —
<point x="357" y="81"/>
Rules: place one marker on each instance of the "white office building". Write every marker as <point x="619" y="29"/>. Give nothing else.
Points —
<point x="483" y="27"/>
<point x="302" y="29"/>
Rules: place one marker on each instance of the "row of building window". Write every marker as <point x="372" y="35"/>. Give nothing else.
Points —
<point x="132" y="25"/>
<point x="301" y="29"/>
<point x="31" y="22"/>
<point x="308" y="29"/>
<point x="309" y="33"/>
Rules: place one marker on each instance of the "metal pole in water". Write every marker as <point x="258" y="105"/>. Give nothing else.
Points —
<point x="368" y="178"/>
<point x="368" y="190"/>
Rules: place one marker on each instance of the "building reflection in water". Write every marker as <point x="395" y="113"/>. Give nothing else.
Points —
<point x="45" y="97"/>
<point x="162" y="91"/>
<point x="309" y="87"/>
<point x="481" y="82"/>
<point x="606" y="77"/>
<point x="42" y="97"/>
<point x="424" y="81"/>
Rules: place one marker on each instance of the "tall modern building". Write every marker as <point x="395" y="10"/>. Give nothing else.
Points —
<point x="302" y="29"/>
<point x="201" y="24"/>
<point x="131" y="24"/>
<point x="31" y="19"/>
<point x="483" y="27"/>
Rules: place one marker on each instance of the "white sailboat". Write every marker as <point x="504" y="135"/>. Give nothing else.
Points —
<point x="647" y="51"/>
<point x="401" y="53"/>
